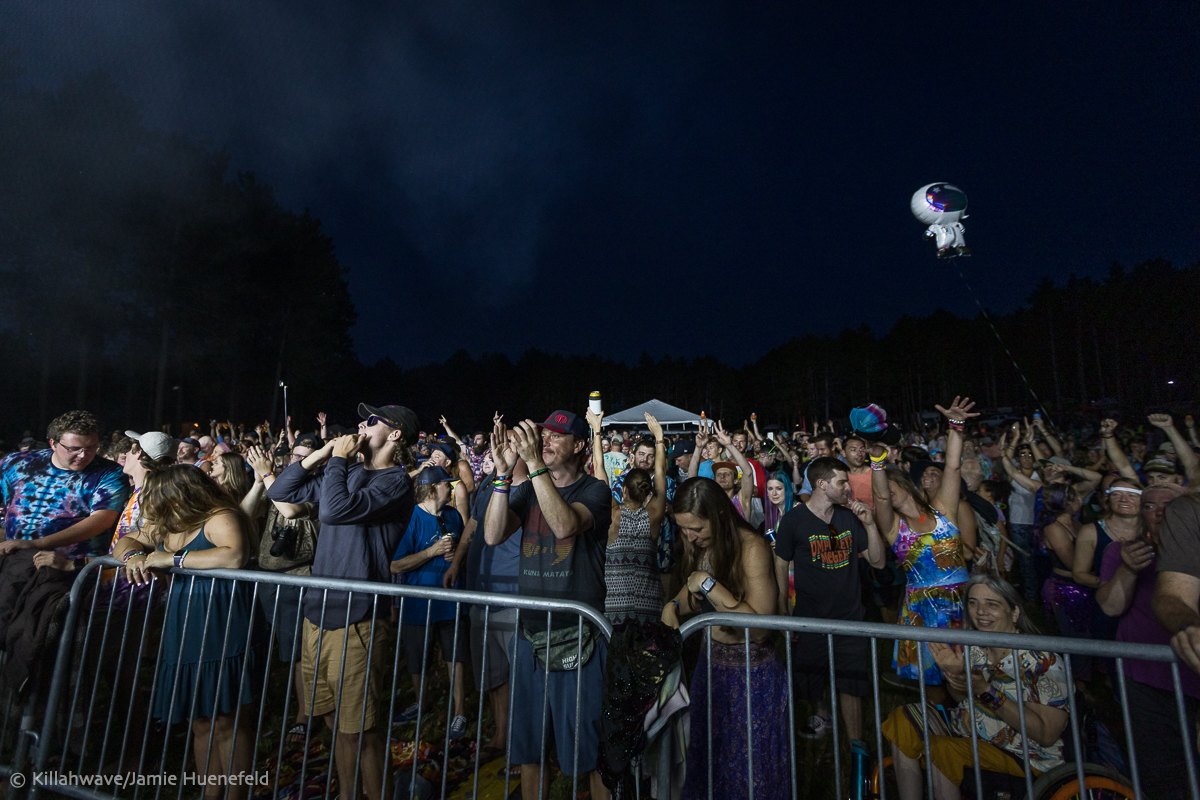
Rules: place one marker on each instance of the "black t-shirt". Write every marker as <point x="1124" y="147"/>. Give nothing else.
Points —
<point x="567" y="569"/>
<point x="827" y="566"/>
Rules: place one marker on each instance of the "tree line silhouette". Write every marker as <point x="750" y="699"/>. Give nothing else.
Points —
<point x="140" y="280"/>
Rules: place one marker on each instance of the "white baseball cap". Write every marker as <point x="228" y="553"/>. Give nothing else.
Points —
<point x="154" y="444"/>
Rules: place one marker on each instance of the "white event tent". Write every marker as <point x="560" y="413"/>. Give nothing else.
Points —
<point x="670" y="417"/>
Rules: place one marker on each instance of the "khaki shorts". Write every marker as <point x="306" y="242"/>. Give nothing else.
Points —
<point x="352" y="718"/>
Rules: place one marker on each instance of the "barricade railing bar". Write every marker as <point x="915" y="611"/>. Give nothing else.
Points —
<point x="113" y="649"/>
<point x="968" y="639"/>
<point x="111" y="636"/>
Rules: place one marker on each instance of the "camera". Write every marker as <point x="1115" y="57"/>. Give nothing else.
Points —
<point x="283" y="541"/>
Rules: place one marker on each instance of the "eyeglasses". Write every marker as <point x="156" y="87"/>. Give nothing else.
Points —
<point x="371" y="420"/>
<point x="76" y="450"/>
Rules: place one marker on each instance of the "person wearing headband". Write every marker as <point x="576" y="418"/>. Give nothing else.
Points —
<point x="1128" y="574"/>
<point x="1121" y="522"/>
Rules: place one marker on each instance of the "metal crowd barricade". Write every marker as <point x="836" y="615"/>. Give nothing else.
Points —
<point x="1120" y="651"/>
<point x="111" y="650"/>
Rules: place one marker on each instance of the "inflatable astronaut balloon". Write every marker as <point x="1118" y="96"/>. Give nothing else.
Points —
<point x="941" y="206"/>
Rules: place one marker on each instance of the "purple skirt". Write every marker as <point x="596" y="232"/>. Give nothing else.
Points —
<point x="730" y="748"/>
<point x="1073" y="607"/>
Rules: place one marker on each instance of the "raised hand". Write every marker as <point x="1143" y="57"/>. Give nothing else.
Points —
<point x="321" y="418"/>
<point x="948" y="657"/>
<point x="259" y="461"/>
<point x="595" y="421"/>
<point x="702" y="434"/>
<point x="528" y="442"/>
<point x="723" y="438"/>
<point x="654" y="427"/>
<point x="1162" y="421"/>
<point x="1108" y="427"/>
<point x="503" y="454"/>
<point x="959" y="410"/>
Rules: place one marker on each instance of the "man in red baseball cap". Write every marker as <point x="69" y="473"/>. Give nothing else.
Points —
<point x="564" y="514"/>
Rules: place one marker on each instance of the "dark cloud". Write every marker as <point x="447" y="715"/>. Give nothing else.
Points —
<point x="741" y="174"/>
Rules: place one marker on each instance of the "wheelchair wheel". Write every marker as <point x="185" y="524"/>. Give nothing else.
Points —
<point x="1100" y="783"/>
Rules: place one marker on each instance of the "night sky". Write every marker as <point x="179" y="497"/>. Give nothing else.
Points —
<point x="683" y="178"/>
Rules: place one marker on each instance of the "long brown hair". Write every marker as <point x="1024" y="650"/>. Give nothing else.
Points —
<point x="707" y="500"/>
<point x="906" y="485"/>
<point x="181" y="498"/>
<point x="234" y="479"/>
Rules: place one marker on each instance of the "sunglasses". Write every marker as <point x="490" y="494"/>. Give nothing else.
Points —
<point x="371" y="420"/>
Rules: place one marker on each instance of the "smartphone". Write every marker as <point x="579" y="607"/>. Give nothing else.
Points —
<point x="771" y="435"/>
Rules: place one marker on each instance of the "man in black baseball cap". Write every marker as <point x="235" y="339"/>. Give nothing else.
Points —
<point x="681" y="455"/>
<point x="395" y="417"/>
<point x="365" y="507"/>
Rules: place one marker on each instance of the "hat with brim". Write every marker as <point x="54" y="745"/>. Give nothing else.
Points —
<point x="309" y="440"/>
<point x="444" y="449"/>
<point x="871" y="424"/>
<point x="398" y="417"/>
<point x="684" y="448"/>
<point x="154" y="444"/>
<point x="917" y="469"/>
<point x="1159" y="465"/>
<point x="566" y="422"/>
<point x="430" y="475"/>
<point x="720" y="465"/>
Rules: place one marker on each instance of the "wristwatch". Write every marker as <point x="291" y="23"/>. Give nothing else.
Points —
<point x="708" y="585"/>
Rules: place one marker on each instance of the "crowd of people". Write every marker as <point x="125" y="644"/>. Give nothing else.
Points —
<point x="1093" y="530"/>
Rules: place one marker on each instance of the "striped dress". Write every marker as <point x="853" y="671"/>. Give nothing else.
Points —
<point x="631" y="571"/>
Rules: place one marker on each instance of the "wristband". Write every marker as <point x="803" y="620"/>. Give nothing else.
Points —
<point x="879" y="459"/>
<point x="266" y="475"/>
<point x="179" y="559"/>
<point x="541" y="471"/>
<point x="957" y="424"/>
<point x="502" y="479"/>
<point x="131" y="554"/>
<point x="991" y="699"/>
<point x="877" y="466"/>
<point x="496" y="490"/>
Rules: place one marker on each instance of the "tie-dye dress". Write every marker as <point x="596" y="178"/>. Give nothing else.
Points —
<point x="936" y="573"/>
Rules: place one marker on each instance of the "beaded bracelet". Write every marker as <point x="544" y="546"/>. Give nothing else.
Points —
<point x="991" y="699"/>
<point x="131" y="554"/>
<point x="537" y="472"/>
<point x="503" y="479"/>
<point x="877" y="466"/>
<point x="957" y="424"/>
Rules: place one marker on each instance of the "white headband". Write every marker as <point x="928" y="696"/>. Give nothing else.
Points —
<point x="1123" y="489"/>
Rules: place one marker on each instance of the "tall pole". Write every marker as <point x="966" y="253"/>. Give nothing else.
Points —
<point x="286" y="430"/>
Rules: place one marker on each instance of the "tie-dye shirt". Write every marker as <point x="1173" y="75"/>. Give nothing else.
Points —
<point x="40" y="499"/>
